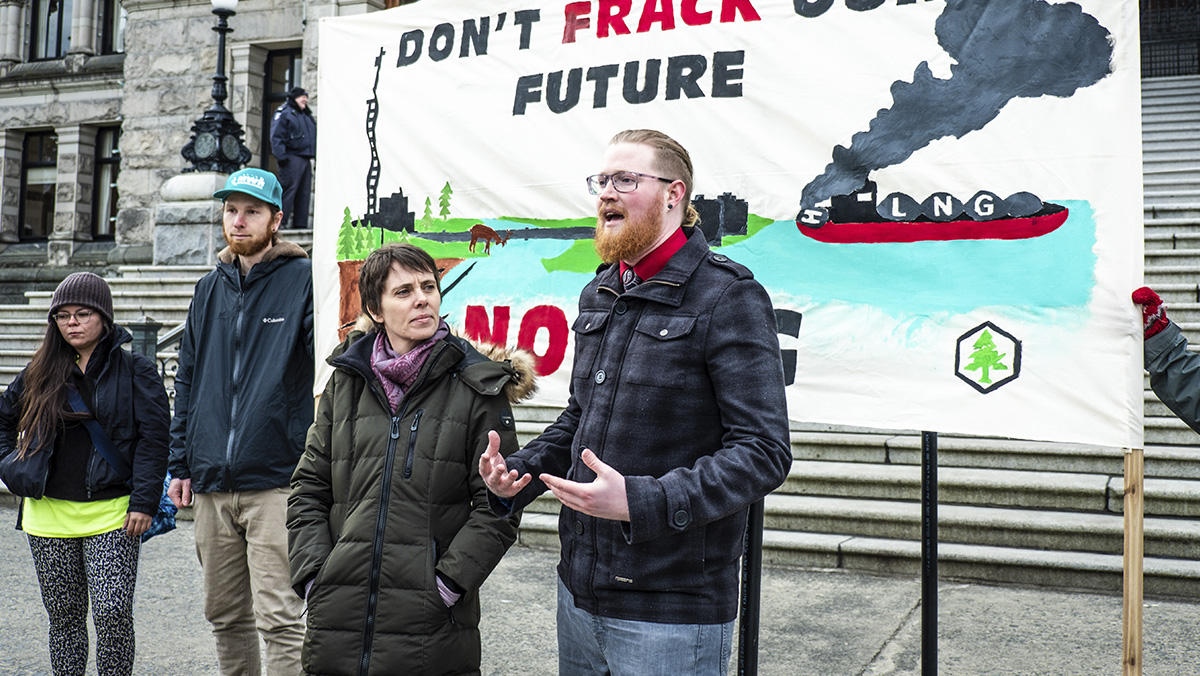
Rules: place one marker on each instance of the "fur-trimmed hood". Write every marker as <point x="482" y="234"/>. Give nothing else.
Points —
<point x="523" y="362"/>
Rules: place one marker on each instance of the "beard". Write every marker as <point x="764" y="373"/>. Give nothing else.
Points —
<point x="250" y="246"/>
<point x="630" y="241"/>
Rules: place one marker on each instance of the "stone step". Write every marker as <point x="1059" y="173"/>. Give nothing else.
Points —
<point x="1170" y="113"/>
<point x="24" y="344"/>
<point x="1061" y="491"/>
<point x="1166" y="239"/>
<point x="151" y="287"/>
<point x="1186" y="211"/>
<point x="1179" y="293"/>
<point x="1160" y="198"/>
<point x="1167" y="142"/>
<point x="1161" y="164"/>
<point x="193" y="272"/>
<point x="172" y="296"/>
<point x="1166" y="132"/>
<point x="1161" y="275"/>
<point x="1078" y="570"/>
<point x="1171" y="180"/>
<point x="1171" y="224"/>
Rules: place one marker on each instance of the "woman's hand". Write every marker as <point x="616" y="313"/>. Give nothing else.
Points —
<point x="137" y="523"/>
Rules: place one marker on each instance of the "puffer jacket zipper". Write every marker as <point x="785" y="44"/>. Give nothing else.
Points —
<point x="381" y="517"/>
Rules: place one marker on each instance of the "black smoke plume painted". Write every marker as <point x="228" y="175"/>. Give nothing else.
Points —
<point x="1004" y="49"/>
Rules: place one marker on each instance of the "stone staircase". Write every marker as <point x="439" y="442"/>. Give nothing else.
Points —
<point x="1009" y="511"/>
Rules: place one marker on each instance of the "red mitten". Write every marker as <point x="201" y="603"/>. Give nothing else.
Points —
<point x="1154" y="312"/>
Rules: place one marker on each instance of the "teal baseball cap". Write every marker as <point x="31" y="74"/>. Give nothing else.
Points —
<point x="255" y="183"/>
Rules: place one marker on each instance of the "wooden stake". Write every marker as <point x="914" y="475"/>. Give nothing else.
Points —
<point x="1134" y="508"/>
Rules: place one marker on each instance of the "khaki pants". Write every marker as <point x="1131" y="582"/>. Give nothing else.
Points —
<point x="241" y="540"/>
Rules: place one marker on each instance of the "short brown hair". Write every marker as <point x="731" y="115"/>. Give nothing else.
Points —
<point x="671" y="159"/>
<point x="372" y="276"/>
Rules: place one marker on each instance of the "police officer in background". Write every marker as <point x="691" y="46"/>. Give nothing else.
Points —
<point x="294" y="144"/>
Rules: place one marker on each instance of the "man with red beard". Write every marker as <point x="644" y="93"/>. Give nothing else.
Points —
<point x="676" y="424"/>
<point x="243" y="405"/>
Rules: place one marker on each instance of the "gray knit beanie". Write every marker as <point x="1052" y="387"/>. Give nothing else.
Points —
<point x="83" y="288"/>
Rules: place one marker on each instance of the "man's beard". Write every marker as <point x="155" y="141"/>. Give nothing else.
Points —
<point x="632" y="240"/>
<point x="249" y="247"/>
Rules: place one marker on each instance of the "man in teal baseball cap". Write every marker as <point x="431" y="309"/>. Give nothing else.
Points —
<point x="255" y="183"/>
<point x="252" y="213"/>
<point x="242" y="409"/>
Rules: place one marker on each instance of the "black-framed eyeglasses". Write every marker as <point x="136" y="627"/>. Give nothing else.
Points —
<point x="622" y="181"/>
<point x="81" y="316"/>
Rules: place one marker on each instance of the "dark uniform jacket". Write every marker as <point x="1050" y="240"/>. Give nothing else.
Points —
<point x="383" y="500"/>
<point x="678" y="385"/>
<point x="244" y="389"/>
<point x="129" y="402"/>
<point x="293" y="132"/>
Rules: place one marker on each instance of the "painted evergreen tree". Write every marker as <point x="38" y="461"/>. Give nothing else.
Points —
<point x="347" y="240"/>
<point x="427" y="218"/>
<point x="985" y="358"/>
<point x="444" y="201"/>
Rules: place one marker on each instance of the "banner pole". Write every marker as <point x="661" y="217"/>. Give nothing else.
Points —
<point x="1134" y="510"/>
<point x="929" y="575"/>
<point x="751" y="593"/>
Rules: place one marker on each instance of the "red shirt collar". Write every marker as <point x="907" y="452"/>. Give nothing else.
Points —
<point x="653" y="262"/>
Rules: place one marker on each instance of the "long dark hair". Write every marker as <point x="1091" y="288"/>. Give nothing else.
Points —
<point x="45" y="390"/>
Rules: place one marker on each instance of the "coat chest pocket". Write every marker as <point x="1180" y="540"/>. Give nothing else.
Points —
<point x="664" y="351"/>
<point x="589" y="333"/>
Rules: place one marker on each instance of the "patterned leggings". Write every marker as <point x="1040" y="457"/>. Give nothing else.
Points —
<point x="67" y="569"/>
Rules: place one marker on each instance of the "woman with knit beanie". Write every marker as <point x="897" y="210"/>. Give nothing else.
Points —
<point x="84" y="517"/>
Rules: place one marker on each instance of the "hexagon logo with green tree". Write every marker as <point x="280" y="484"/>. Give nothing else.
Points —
<point x="987" y="357"/>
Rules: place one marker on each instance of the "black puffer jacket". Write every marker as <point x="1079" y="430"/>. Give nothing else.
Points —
<point x="131" y="406"/>
<point x="243" y="392"/>
<point x="381" y="502"/>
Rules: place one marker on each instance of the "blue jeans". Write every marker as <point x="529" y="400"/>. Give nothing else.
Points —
<point x="590" y="644"/>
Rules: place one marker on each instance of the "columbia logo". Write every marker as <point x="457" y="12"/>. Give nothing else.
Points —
<point x="256" y="181"/>
<point x="272" y="320"/>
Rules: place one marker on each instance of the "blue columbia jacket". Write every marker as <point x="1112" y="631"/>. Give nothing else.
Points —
<point x="244" y="389"/>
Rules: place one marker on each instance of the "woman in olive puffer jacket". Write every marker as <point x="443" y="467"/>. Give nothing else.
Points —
<point x="390" y="533"/>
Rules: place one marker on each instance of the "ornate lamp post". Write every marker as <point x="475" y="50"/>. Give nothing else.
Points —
<point x="216" y="143"/>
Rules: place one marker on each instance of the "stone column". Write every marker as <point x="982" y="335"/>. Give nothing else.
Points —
<point x="354" y="7"/>
<point x="248" y="63"/>
<point x="10" y="33"/>
<point x="83" y="27"/>
<point x="73" y="193"/>
<point x="187" y="223"/>
<point x="11" y="143"/>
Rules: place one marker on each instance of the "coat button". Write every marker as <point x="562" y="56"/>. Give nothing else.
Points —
<point x="620" y="307"/>
<point x="681" y="519"/>
<point x="578" y="528"/>
<point x="664" y="332"/>
<point x="600" y="376"/>
<point x="719" y="258"/>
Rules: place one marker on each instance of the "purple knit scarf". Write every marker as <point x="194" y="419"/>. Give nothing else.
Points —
<point x="398" y="371"/>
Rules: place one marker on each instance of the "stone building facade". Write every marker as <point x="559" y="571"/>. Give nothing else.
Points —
<point x="97" y="97"/>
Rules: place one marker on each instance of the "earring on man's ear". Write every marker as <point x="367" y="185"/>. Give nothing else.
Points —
<point x="670" y="206"/>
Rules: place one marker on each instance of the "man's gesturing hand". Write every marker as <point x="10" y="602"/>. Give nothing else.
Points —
<point x="603" y="498"/>
<point x="499" y="479"/>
